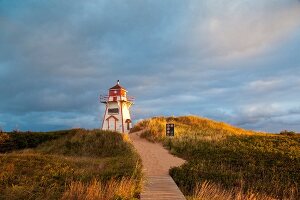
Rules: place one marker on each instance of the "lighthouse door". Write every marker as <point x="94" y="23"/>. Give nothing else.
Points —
<point x="128" y="121"/>
<point x="112" y="123"/>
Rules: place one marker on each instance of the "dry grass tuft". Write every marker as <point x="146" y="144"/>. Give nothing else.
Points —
<point x="96" y="190"/>
<point x="126" y="138"/>
<point x="3" y="137"/>
<point x="208" y="190"/>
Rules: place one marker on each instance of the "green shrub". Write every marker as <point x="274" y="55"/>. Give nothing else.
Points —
<point x="21" y="140"/>
<point x="288" y="133"/>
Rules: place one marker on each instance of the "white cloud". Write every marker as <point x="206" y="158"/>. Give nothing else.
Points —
<point x="242" y="28"/>
<point x="261" y="110"/>
<point x="264" y="85"/>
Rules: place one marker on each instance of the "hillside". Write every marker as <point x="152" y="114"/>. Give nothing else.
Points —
<point x="74" y="164"/>
<point x="228" y="161"/>
<point x="190" y="125"/>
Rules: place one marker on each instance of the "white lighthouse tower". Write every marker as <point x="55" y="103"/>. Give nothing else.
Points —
<point x="117" y="115"/>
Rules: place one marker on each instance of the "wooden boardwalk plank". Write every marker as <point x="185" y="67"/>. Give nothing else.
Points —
<point x="161" y="188"/>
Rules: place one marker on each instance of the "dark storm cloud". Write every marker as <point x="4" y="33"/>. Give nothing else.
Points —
<point x="208" y="58"/>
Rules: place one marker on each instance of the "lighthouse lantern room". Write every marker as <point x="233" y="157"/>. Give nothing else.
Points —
<point x="117" y="114"/>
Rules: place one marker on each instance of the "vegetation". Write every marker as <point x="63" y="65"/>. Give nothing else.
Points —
<point x="78" y="164"/>
<point x="211" y="191"/>
<point x="289" y="133"/>
<point x="227" y="159"/>
<point x="121" y="189"/>
<point x="190" y="126"/>
<point x="22" y="140"/>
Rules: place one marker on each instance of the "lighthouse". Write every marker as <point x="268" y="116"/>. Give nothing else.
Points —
<point x="117" y="114"/>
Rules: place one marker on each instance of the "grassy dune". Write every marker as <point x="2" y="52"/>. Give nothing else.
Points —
<point x="21" y="140"/>
<point x="75" y="164"/>
<point x="232" y="162"/>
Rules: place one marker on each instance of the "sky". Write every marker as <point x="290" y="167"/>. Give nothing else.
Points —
<point x="234" y="61"/>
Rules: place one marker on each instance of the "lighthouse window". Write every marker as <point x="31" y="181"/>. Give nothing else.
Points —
<point x="113" y="111"/>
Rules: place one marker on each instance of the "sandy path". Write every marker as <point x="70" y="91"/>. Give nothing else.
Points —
<point x="156" y="159"/>
<point x="156" y="162"/>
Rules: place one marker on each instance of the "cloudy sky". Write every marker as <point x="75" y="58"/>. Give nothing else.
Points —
<point x="235" y="61"/>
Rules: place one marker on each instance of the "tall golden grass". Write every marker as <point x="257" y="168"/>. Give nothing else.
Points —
<point x="211" y="191"/>
<point x="97" y="190"/>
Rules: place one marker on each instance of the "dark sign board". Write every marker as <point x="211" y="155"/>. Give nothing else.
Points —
<point x="170" y="129"/>
<point x="113" y="111"/>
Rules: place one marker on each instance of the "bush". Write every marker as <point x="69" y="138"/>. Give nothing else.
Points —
<point x="288" y="133"/>
<point x="21" y="140"/>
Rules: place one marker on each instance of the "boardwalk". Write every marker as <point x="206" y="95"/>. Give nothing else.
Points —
<point x="157" y="162"/>
<point x="161" y="188"/>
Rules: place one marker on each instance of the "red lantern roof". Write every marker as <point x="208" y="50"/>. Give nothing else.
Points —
<point x="118" y="86"/>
